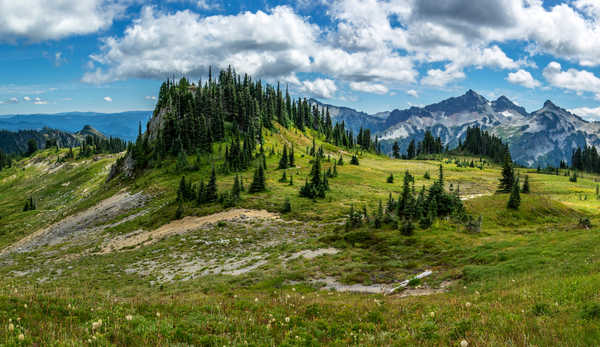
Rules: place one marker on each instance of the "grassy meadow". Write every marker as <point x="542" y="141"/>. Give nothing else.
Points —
<point x="529" y="278"/>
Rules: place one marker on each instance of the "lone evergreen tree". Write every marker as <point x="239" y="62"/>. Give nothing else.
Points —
<point x="237" y="188"/>
<point x="287" y="206"/>
<point x="211" y="188"/>
<point x="291" y="159"/>
<point x="179" y="211"/>
<point x="525" y="189"/>
<point x="515" y="198"/>
<point x="284" y="161"/>
<point x="258" y="183"/>
<point x="354" y="160"/>
<point x="508" y="175"/>
<point x="390" y="178"/>
<point x="396" y="150"/>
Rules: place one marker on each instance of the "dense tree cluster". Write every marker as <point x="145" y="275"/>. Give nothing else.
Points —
<point x="97" y="145"/>
<point x="318" y="184"/>
<point x="586" y="159"/>
<point x="410" y="207"/>
<point x="5" y="160"/>
<point x="481" y="143"/>
<point x="194" y="117"/>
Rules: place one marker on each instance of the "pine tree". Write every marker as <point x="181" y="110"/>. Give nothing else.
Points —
<point x="292" y="160"/>
<point x="283" y="178"/>
<point x="292" y="180"/>
<point x="287" y="206"/>
<point x="341" y="160"/>
<point x="237" y="188"/>
<point x="354" y="160"/>
<point x="201" y="194"/>
<point x="390" y="178"/>
<point x="515" y="198"/>
<point x="407" y="228"/>
<point x="396" y="150"/>
<point x="211" y="188"/>
<point x="525" y="189"/>
<point x="508" y="175"/>
<point x="284" y="161"/>
<point x="379" y="216"/>
<point x="258" y="183"/>
<point x="179" y="211"/>
<point x="441" y="176"/>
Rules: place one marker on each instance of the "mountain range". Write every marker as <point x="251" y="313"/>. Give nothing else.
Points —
<point x="543" y="137"/>
<point x="13" y="142"/>
<point x="123" y="125"/>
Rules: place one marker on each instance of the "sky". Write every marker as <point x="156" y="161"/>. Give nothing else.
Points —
<point x="371" y="55"/>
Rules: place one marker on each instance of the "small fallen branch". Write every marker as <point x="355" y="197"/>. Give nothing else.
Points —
<point x="405" y="283"/>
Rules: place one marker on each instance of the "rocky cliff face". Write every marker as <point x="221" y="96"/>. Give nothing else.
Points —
<point x="544" y="137"/>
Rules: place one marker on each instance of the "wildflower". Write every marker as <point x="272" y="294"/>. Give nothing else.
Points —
<point x="11" y="327"/>
<point x="293" y="289"/>
<point x="25" y="306"/>
<point x="468" y="304"/>
<point x="158" y="314"/>
<point x="129" y="317"/>
<point x="431" y="314"/>
<point x="96" y="325"/>
<point x="287" y="319"/>
<point x="21" y="337"/>
<point x="464" y="343"/>
<point x="255" y="299"/>
<point x="302" y="297"/>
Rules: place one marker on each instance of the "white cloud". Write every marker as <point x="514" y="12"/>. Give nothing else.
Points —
<point x="40" y="101"/>
<point x="523" y="78"/>
<point x="108" y="99"/>
<point x="274" y="44"/>
<point x="369" y="87"/>
<point x="26" y="98"/>
<point x="572" y="79"/>
<point x="39" y="20"/>
<point x="150" y="97"/>
<point x="587" y="113"/>
<point x="440" y="78"/>
<point x="412" y="93"/>
<point x="321" y="88"/>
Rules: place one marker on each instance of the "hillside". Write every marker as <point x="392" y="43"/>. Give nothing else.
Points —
<point x="108" y="262"/>
<point x="16" y="142"/>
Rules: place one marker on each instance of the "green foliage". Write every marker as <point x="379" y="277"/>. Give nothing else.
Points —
<point x="211" y="193"/>
<point x="32" y="147"/>
<point x="30" y="205"/>
<point x="525" y="189"/>
<point x="407" y="228"/>
<point x="258" y="182"/>
<point x="514" y="200"/>
<point x="287" y="206"/>
<point x="390" y="178"/>
<point x="179" y="212"/>
<point x="508" y="175"/>
<point x="317" y="185"/>
<point x="354" y="160"/>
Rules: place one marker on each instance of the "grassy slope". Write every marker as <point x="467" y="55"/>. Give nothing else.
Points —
<point x="530" y="277"/>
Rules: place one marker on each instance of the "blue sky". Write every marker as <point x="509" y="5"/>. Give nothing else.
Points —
<point x="111" y="55"/>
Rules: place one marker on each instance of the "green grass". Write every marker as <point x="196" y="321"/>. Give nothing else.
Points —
<point x="530" y="277"/>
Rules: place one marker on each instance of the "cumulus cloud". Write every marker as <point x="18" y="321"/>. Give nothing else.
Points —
<point x="523" y="78"/>
<point x="588" y="113"/>
<point x="26" y="98"/>
<point x="369" y="87"/>
<point x="572" y="79"/>
<point x="412" y="93"/>
<point x="108" y="99"/>
<point x="274" y="44"/>
<point x="320" y="87"/>
<point x="39" y="20"/>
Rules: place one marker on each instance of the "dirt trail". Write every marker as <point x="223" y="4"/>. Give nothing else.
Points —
<point x="185" y="225"/>
<point x="81" y="223"/>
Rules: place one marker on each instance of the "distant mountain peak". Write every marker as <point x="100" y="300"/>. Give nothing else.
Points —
<point x="88" y="130"/>
<point x="550" y="104"/>
<point x="503" y="103"/>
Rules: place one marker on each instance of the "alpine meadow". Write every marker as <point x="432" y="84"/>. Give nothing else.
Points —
<point x="227" y="189"/>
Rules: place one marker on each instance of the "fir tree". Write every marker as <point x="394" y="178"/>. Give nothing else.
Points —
<point x="390" y="178"/>
<point x="525" y="189"/>
<point x="287" y="206"/>
<point x="354" y="160"/>
<point x="201" y="194"/>
<point x="341" y="160"/>
<point x="515" y="198"/>
<point x="292" y="180"/>
<point x="283" y="178"/>
<point x="508" y="175"/>
<point x="291" y="159"/>
<point x="284" y="161"/>
<point x="211" y="188"/>
<point x="237" y="188"/>
<point x="408" y="228"/>
<point x="396" y="150"/>
<point x="379" y="216"/>
<point x="179" y="211"/>
<point x="258" y="182"/>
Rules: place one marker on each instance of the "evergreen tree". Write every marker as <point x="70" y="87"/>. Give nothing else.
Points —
<point x="407" y="228"/>
<point x="258" y="183"/>
<point x="292" y="160"/>
<point x="390" y="178"/>
<point x="284" y="161"/>
<point x="411" y="152"/>
<point x="316" y="187"/>
<point x="508" y="175"/>
<point x="525" y="189"/>
<point x="179" y="211"/>
<point x="211" y="188"/>
<point x="341" y="160"/>
<point x="354" y="160"/>
<point x="32" y="147"/>
<point x="283" y="177"/>
<point x="236" y="191"/>
<point x="396" y="150"/>
<point x="515" y="198"/>
<point x="379" y="216"/>
<point x="287" y="206"/>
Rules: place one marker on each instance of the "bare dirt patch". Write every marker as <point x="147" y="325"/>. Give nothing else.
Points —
<point x="81" y="223"/>
<point x="311" y="254"/>
<point x="182" y="226"/>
